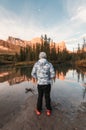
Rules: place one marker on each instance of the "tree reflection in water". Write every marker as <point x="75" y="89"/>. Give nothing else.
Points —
<point x="21" y="74"/>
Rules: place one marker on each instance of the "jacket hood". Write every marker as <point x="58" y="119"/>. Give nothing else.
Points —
<point x="42" y="61"/>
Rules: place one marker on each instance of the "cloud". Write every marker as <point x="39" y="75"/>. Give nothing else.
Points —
<point x="26" y="26"/>
<point x="18" y="26"/>
<point x="80" y="15"/>
<point x="83" y="35"/>
<point x="76" y="12"/>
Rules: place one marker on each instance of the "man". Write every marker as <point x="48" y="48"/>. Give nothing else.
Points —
<point x="43" y="72"/>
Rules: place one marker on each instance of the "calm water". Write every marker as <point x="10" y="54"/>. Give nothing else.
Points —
<point x="68" y="89"/>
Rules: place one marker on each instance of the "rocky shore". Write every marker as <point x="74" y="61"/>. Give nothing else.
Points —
<point x="61" y="119"/>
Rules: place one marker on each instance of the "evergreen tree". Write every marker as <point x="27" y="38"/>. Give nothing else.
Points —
<point x="46" y="45"/>
<point x="22" y="54"/>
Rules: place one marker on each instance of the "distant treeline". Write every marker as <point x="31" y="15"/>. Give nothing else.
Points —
<point x="31" y="53"/>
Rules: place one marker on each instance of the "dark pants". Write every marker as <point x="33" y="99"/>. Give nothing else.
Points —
<point x="44" y="89"/>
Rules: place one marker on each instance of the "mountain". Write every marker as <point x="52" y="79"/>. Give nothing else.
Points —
<point x="17" y="41"/>
<point x="13" y="45"/>
<point x="84" y="46"/>
<point x="36" y="40"/>
<point x="6" y="47"/>
<point x="60" y="45"/>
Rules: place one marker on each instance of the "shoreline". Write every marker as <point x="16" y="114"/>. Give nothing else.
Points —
<point x="60" y="119"/>
<point x="31" y="63"/>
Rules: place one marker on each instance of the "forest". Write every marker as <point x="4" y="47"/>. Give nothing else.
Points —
<point x="31" y="54"/>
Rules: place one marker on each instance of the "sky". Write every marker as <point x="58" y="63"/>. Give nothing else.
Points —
<point x="61" y="20"/>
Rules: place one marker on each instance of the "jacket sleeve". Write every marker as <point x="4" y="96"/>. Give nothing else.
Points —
<point x="34" y="70"/>
<point x="52" y="71"/>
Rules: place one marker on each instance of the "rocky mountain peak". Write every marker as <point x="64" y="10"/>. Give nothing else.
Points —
<point x="17" y="41"/>
<point x="36" y="40"/>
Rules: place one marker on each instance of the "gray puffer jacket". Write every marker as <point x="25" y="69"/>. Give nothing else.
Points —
<point x="43" y="71"/>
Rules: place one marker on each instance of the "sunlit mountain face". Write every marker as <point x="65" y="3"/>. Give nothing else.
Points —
<point x="13" y="45"/>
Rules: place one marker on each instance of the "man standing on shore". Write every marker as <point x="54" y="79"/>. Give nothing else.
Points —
<point x="43" y="72"/>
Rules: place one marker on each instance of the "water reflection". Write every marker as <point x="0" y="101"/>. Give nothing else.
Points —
<point x="15" y="75"/>
<point x="18" y="75"/>
<point x="14" y="81"/>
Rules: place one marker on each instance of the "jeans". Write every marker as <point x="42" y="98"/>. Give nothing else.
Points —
<point x="44" y="90"/>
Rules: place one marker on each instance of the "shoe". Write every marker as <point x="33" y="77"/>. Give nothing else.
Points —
<point x="48" y="112"/>
<point x="38" y="112"/>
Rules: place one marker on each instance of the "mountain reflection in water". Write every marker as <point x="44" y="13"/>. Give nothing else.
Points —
<point x="68" y="89"/>
<point x="14" y="76"/>
<point x="18" y="75"/>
